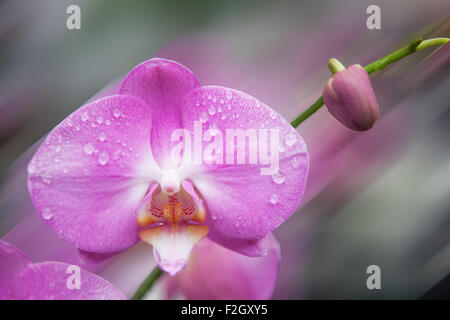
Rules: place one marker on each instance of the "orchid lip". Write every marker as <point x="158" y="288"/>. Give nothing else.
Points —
<point x="171" y="223"/>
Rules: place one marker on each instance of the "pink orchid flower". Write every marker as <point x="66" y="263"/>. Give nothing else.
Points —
<point x="214" y="272"/>
<point x="22" y="280"/>
<point x="105" y="176"/>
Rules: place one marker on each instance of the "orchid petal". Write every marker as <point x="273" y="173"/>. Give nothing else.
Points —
<point x="247" y="247"/>
<point x="12" y="261"/>
<point x="162" y="84"/>
<point x="172" y="244"/>
<point x="20" y="279"/>
<point x="218" y="273"/>
<point x="92" y="170"/>
<point x="50" y="280"/>
<point x="243" y="202"/>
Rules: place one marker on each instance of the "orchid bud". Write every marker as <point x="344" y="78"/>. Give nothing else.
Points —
<point x="349" y="96"/>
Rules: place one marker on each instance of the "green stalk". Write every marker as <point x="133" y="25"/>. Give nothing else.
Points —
<point x="147" y="284"/>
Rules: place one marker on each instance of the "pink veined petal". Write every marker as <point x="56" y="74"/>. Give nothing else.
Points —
<point x="251" y="248"/>
<point x="172" y="244"/>
<point x="242" y="202"/>
<point x="20" y="279"/>
<point x="57" y="280"/>
<point x="215" y="272"/>
<point x="92" y="170"/>
<point x="12" y="262"/>
<point x="248" y="247"/>
<point x="162" y="84"/>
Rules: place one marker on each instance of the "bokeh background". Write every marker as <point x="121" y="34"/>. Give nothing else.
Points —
<point x="380" y="197"/>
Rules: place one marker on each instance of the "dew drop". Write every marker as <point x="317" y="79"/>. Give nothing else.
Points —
<point x="84" y="116"/>
<point x="273" y="198"/>
<point x="229" y="106"/>
<point x="223" y="116"/>
<point x="290" y="139"/>
<point x="116" y="113"/>
<point x="88" y="148"/>
<point x="229" y="95"/>
<point x="108" y="122"/>
<point x="103" y="157"/>
<point x="212" y="110"/>
<point x="197" y="103"/>
<point x="100" y="119"/>
<point x="56" y="159"/>
<point x="203" y="117"/>
<point x="47" y="213"/>
<point x="278" y="178"/>
<point x="58" y="148"/>
<point x="273" y="115"/>
<point x="214" y="99"/>
<point x="102" y="136"/>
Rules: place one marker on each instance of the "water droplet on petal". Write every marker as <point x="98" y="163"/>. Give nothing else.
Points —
<point x="47" y="213"/>
<point x="290" y="139"/>
<point x="56" y="159"/>
<point x="88" y="148"/>
<point x="84" y="116"/>
<point x="203" y="117"/>
<point x="103" y="157"/>
<point x="212" y="110"/>
<point x="273" y="198"/>
<point x="116" y="113"/>
<point x="223" y="116"/>
<point x="58" y="148"/>
<point x="102" y="136"/>
<point x="100" y="119"/>
<point x="278" y="178"/>
<point x="273" y="115"/>
<point x="229" y="95"/>
<point x="108" y="122"/>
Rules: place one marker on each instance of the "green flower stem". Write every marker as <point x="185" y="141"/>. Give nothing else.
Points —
<point x="379" y="64"/>
<point x="147" y="284"/>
